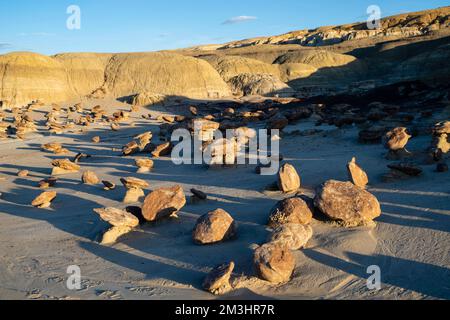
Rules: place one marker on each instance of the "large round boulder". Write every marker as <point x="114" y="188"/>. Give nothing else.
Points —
<point x="213" y="227"/>
<point x="343" y="201"/>
<point x="292" y="210"/>
<point x="274" y="263"/>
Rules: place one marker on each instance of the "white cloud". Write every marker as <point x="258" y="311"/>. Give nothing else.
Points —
<point x="239" y="19"/>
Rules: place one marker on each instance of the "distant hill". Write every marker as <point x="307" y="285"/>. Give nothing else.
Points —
<point x="326" y="60"/>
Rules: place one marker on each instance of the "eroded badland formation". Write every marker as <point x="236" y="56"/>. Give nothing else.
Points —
<point x="87" y="179"/>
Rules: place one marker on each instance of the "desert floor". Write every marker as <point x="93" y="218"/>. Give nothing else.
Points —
<point x="411" y="242"/>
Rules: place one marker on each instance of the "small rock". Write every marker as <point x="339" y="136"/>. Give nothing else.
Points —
<point x="162" y="150"/>
<point x="130" y="148"/>
<point x="134" y="188"/>
<point x="343" y="201"/>
<point x="117" y="217"/>
<point x="89" y="177"/>
<point x="144" y="165"/>
<point x="213" y="227"/>
<point x="23" y="173"/>
<point x="218" y="280"/>
<point x="80" y="156"/>
<point x="96" y="139"/>
<point x="199" y="194"/>
<point x="406" y="168"/>
<point x="292" y="235"/>
<point x="397" y="138"/>
<point x="44" y="199"/>
<point x="108" y="185"/>
<point x="274" y="263"/>
<point x="47" y="183"/>
<point x="64" y="166"/>
<point x="288" y="179"/>
<point x="163" y="203"/>
<point x="357" y="175"/>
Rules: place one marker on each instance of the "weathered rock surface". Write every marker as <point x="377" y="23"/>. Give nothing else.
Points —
<point x="218" y="280"/>
<point x="346" y="202"/>
<point x="144" y="165"/>
<point x="292" y="235"/>
<point x="90" y="177"/>
<point x="134" y="188"/>
<point x="117" y="217"/>
<point x="290" y="211"/>
<point x="213" y="227"/>
<point x="163" y="203"/>
<point x="356" y="174"/>
<point x="397" y="139"/>
<point x="64" y="166"/>
<point x="288" y="179"/>
<point x="44" y="199"/>
<point x="274" y="263"/>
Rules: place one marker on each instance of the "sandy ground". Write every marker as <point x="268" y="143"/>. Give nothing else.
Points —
<point x="411" y="242"/>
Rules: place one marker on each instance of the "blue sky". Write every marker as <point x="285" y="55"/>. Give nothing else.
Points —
<point x="149" y="25"/>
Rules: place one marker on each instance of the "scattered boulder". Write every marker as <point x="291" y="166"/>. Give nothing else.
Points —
<point x="290" y="211"/>
<point x="144" y="165"/>
<point x="292" y="235"/>
<point x="162" y="150"/>
<point x="80" y="156"/>
<point x="356" y="174"/>
<point x="55" y="148"/>
<point x="213" y="227"/>
<point x="442" y="127"/>
<point x="274" y="263"/>
<point x="406" y="168"/>
<point x="288" y="179"/>
<point x="218" y="280"/>
<point x="89" y="177"/>
<point x="23" y="173"/>
<point x="47" y="183"/>
<point x="64" y="166"/>
<point x="44" y="199"/>
<point x="130" y="148"/>
<point x="442" y="143"/>
<point x="397" y="139"/>
<point x="108" y="185"/>
<point x="343" y="201"/>
<point x="122" y="222"/>
<point x="134" y="188"/>
<point x="199" y="194"/>
<point x="163" y="203"/>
